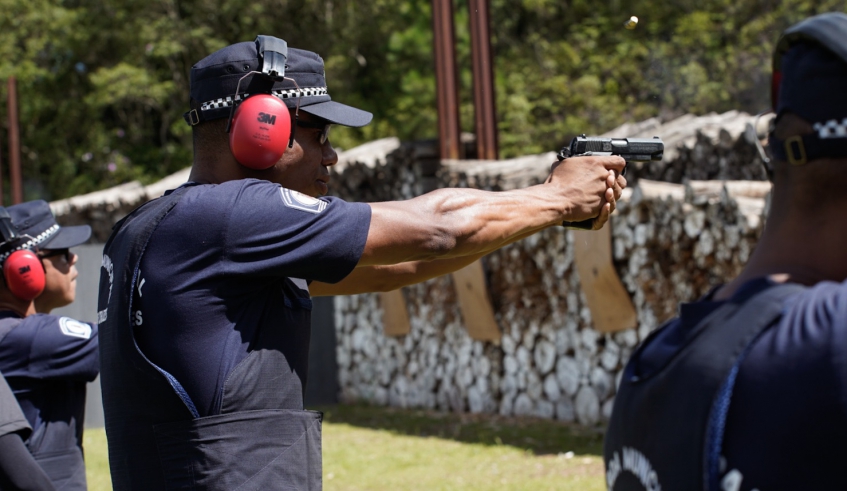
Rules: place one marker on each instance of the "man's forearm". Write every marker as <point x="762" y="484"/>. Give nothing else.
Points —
<point x="385" y="278"/>
<point x="451" y="223"/>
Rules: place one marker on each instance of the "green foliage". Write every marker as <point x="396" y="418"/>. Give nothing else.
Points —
<point x="103" y="84"/>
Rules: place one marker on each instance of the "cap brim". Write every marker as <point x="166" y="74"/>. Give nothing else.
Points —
<point x="338" y="113"/>
<point x="67" y="237"/>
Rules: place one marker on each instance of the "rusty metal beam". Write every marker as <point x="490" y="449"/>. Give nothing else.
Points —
<point x="446" y="79"/>
<point x="14" y="144"/>
<point x="485" y="111"/>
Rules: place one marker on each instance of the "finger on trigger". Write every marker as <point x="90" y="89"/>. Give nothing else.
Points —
<point x="616" y="164"/>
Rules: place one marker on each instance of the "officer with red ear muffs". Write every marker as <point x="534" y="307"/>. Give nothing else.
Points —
<point x="205" y="293"/>
<point x="46" y="359"/>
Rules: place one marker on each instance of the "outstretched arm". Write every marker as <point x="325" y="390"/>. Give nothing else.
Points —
<point x="444" y="231"/>
<point x="451" y="223"/>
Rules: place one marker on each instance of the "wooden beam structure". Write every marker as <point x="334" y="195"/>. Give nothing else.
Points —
<point x="610" y="304"/>
<point x="395" y="317"/>
<point x="446" y="79"/>
<point x="475" y="303"/>
<point x="14" y="144"/>
<point x="485" y="113"/>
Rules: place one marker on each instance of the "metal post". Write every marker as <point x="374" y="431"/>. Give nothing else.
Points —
<point x="14" y="145"/>
<point x="446" y="79"/>
<point x="483" y="81"/>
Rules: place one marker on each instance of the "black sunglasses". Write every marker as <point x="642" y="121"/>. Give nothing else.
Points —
<point x="56" y="252"/>
<point x="325" y="127"/>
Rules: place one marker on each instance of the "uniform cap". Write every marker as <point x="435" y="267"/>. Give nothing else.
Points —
<point x="214" y="80"/>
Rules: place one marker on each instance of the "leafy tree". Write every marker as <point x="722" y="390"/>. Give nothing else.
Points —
<point x="103" y="84"/>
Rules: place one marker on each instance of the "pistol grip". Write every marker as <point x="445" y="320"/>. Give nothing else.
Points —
<point x="581" y="225"/>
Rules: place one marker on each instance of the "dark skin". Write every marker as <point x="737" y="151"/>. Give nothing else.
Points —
<point x="434" y="234"/>
<point x="803" y="241"/>
<point x="59" y="281"/>
<point x="9" y="302"/>
<point x="59" y="287"/>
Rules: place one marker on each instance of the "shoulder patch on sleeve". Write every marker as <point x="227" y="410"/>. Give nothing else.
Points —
<point x="74" y="328"/>
<point x="300" y="201"/>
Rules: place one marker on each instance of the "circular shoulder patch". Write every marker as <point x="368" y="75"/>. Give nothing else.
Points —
<point x="300" y="201"/>
<point x="74" y="328"/>
<point x="304" y="199"/>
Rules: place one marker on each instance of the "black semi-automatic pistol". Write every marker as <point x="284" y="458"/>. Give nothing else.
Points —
<point x="631" y="149"/>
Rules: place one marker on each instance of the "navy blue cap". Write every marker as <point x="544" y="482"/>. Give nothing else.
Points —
<point x="214" y="80"/>
<point x="34" y="219"/>
<point x="814" y="83"/>
<point x="809" y="80"/>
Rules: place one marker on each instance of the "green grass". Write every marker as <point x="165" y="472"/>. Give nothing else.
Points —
<point x="377" y="448"/>
<point x="96" y="460"/>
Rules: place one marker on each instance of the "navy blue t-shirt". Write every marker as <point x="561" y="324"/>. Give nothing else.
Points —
<point x="47" y="361"/>
<point x="787" y="420"/>
<point x="213" y="273"/>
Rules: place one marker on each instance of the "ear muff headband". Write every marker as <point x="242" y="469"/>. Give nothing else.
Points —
<point x="261" y="128"/>
<point x="273" y="52"/>
<point x="22" y="270"/>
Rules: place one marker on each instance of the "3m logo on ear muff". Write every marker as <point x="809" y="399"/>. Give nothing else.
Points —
<point x="24" y="274"/>
<point x="267" y="118"/>
<point x="255" y="138"/>
<point x="23" y="271"/>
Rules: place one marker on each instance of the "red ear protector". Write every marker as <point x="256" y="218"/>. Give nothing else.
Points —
<point x="260" y="128"/>
<point x="24" y="274"/>
<point x="260" y="131"/>
<point x="22" y="270"/>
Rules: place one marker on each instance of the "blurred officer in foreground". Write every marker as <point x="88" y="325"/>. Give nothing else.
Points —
<point x="747" y="388"/>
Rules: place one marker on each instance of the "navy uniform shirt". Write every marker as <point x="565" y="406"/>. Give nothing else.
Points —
<point x="787" y="421"/>
<point x="47" y="361"/>
<point x="212" y="275"/>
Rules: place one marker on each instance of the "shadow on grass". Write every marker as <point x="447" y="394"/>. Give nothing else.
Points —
<point x="538" y="436"/>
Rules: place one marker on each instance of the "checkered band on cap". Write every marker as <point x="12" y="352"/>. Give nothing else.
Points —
<point x="831" y="129"/>
<point x="32" y="243"/>
<point x="228" y="101"/>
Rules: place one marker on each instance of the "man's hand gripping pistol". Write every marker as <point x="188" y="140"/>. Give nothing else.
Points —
<point x="631" y="149"/>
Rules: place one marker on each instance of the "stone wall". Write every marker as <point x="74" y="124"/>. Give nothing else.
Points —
<point x="671" y="242"/>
